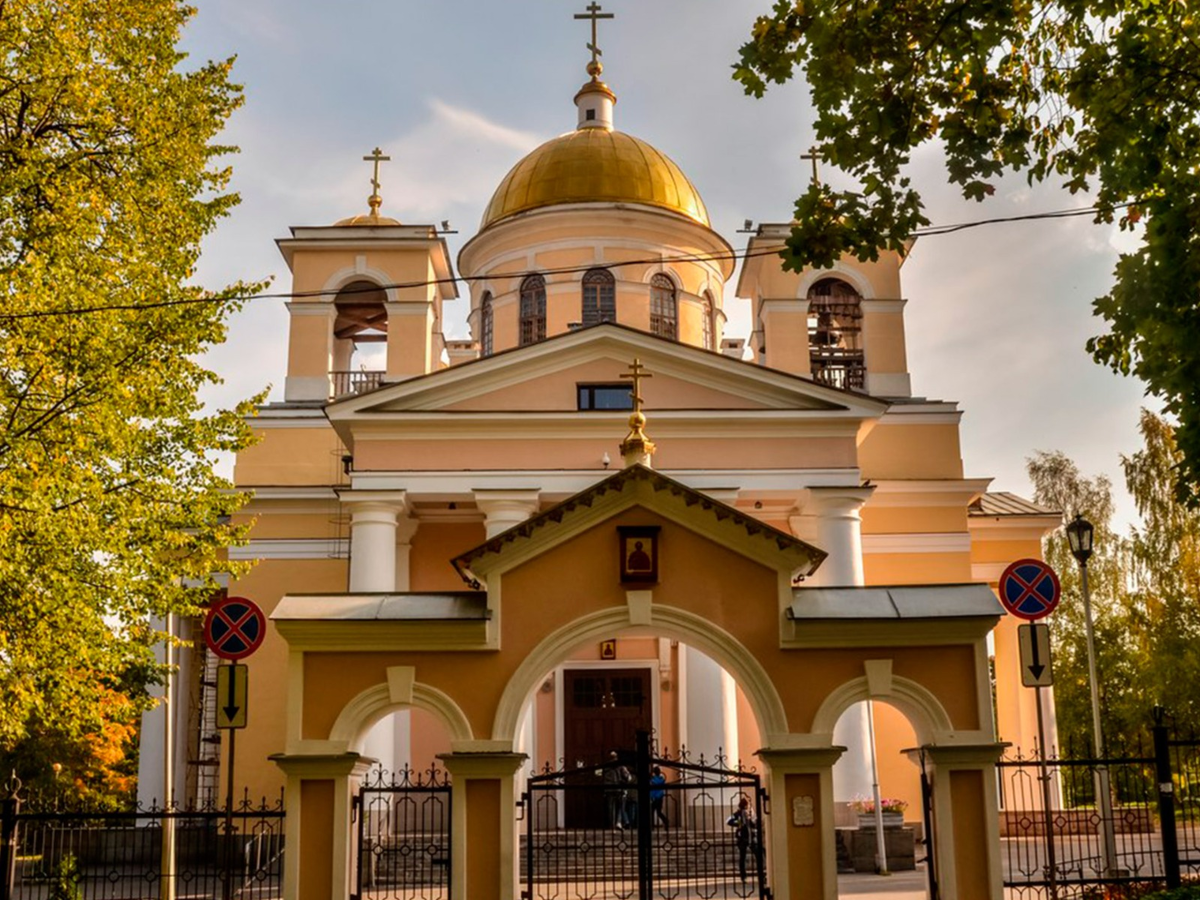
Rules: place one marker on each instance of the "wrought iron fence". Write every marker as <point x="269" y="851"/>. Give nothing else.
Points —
<point x="1053" y="835"/>
<point x="106" y="855"/>
<point x="673" y="828"/>
<point x="403" y="828"/>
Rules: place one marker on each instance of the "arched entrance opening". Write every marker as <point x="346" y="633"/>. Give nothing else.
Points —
<point x="593" y="702"/>
<point x="687" y="802"/>
<point x="880" y="766"/>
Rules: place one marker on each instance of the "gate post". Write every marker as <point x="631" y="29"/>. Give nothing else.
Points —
<point x="483" y="805"/>
<point x="8" y="842"/>
<point x="641" y="775"/>
<point x="1166" y="798"/>
<point x="802" y="858"/>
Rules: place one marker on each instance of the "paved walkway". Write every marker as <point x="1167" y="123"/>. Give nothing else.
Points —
<point x="898" y="886"/>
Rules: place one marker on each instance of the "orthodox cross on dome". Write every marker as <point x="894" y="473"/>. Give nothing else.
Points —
<point x="637" y="448"/>
<point x="593" y="12"/>
<point x="814" y="153"/>
<point x="375" y="201"/>
<point x="637" y="373"/>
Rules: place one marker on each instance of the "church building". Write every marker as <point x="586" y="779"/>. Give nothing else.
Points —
<point x="603" y="514"/>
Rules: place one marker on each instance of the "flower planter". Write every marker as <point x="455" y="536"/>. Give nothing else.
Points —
<point x="890" y="820"/>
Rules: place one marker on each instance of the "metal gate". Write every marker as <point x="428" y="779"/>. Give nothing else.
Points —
<point x="402" y="823"/>
<point x="669" y="828"/>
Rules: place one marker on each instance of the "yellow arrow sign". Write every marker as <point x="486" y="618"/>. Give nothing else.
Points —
<point x="231" y="696"/>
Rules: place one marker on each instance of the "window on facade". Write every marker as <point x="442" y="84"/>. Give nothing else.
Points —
<point x="485" y="324"/>
<point x="706" y="323"/>
<point x="663" y="320"/>
<point x="835" y="334"/>
<point x="599" y="297"/>
<point x="604" y="396"/>
<point x="533" y="309"/>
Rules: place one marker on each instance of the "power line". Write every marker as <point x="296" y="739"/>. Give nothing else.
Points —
<point x="931" y="231"/>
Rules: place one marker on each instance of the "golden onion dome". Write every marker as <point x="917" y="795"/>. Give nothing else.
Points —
<point x="592" y="165"/>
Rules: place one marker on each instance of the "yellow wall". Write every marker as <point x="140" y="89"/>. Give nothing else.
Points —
<point x="287" y="456"/>
<point x="911" y="451"/>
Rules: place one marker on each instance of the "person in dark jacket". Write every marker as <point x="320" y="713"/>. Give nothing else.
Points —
<point x="745" y="833"/>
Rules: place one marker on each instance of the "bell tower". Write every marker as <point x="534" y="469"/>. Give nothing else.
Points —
<point x="842" y="326"/>
<point x="367" y="302"/>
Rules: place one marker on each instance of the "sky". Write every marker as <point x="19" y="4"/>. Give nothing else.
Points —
<point x="457" y="91"/>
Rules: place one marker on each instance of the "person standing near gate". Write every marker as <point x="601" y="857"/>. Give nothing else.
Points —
<point x="743" y="825"/>
<point x="657" y="793"/>
<point x="616" y="778"/>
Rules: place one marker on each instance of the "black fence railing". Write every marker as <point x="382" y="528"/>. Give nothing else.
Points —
<point x="643" y="827"/>
<point x="105" y="855"/>
<point x="1054" y="835"/>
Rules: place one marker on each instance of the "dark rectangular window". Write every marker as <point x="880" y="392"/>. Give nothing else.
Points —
<point x="605" y="396"/>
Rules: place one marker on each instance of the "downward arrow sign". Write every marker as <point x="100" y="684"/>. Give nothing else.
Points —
<point x="231" y="707"/>
<point x="1035" y="666"/>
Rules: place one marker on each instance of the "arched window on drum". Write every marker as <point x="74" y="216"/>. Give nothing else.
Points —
<point x="486" y="326"/>
<point x="599" y="297"/>
<point x="707" y="321"/>
<point x="533" y="310"/>
<point x="663" y="307"/>
<point x="835" y="334"/>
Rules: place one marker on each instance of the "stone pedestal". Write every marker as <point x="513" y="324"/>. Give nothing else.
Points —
<point x="860" y="847"/>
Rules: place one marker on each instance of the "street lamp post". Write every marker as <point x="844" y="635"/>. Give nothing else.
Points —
<point x="1079" y="534"/>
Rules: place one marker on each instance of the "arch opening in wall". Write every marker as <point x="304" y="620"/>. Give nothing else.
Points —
<point x="591" y="702"/>
<point x="876" y="735"/>
<point x="360" y="337"/>
<point x="406" y="739"/>
<point x="835" y="334"/>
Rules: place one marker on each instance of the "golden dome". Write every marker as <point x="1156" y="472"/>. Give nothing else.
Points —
<point x="595" y="165"/>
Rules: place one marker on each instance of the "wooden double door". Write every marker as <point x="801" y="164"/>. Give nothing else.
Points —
<point x="602" y="711"/>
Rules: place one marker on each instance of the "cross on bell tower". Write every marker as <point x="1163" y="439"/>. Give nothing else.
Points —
<point x="814" y="153"/>
<point x="375" y="201"/>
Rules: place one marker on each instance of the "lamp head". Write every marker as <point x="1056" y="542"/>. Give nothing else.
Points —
<point x="1079" y="534"/>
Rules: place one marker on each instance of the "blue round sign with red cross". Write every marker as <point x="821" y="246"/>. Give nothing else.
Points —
<point x="1029" y="589"/>
<point x="234" y="627"/>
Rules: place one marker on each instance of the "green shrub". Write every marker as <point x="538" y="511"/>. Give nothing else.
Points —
<point x="65" y="885"/>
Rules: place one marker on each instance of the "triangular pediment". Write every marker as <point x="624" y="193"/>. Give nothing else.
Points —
<point x="638" y="486"/>
<point x="542" y="378"/>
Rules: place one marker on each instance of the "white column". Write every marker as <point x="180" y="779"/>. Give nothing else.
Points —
<point x="710" y="708"/>
<point x="839" y="532"/>
<point x="504" y="509"/>
<point x="373" y="544"/>
<point x="852" y="772"/>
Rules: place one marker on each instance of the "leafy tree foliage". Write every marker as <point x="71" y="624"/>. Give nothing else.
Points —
<point x="1144" y="587"/>
<point x="110" y="514"/>
<point x="1100" y="95"/>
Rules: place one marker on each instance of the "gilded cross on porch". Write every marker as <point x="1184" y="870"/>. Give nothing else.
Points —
<point x="375" y="201"/>
<point x="636" y="375"/>
<point x="814" y="153"/>
<point x="593" y="13"/>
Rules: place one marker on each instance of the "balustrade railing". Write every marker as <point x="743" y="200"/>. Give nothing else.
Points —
<point x="355" y="382"/>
